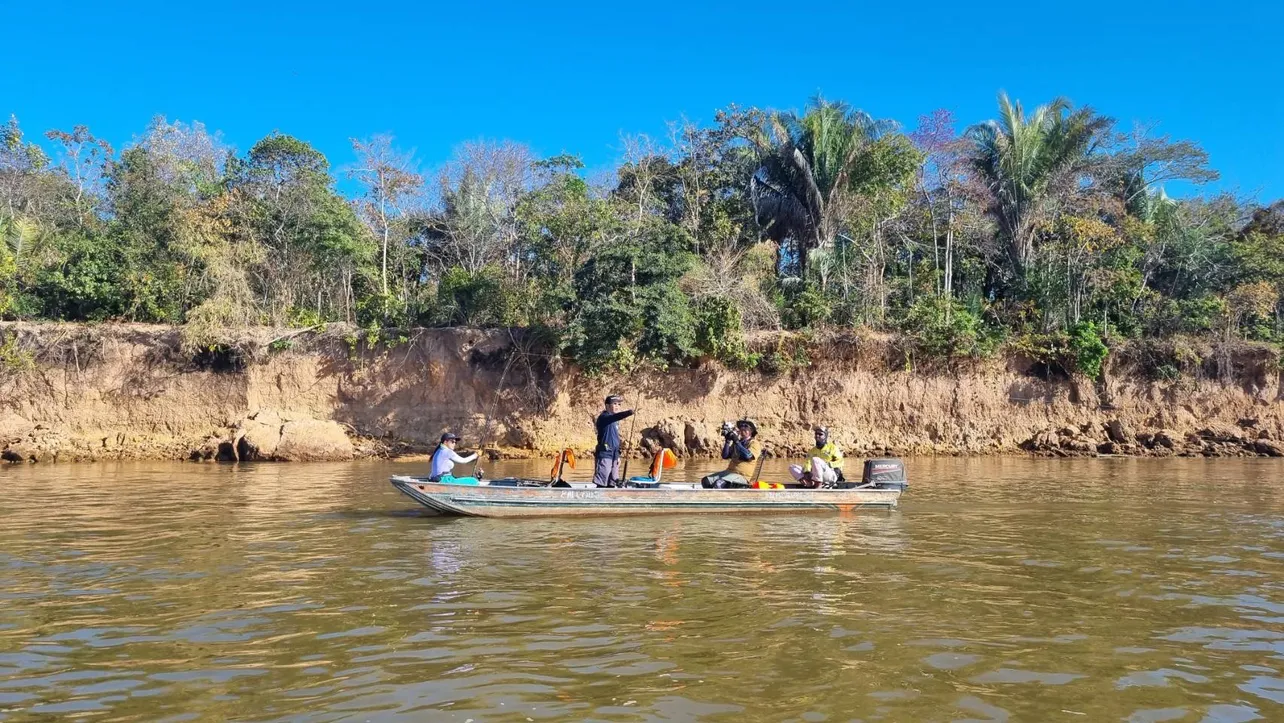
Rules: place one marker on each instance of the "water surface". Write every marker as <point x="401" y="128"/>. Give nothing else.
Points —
<point x="1003" y="589"/>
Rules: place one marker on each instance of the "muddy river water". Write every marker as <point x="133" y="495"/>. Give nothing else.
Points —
<point x="1002" y="589"/>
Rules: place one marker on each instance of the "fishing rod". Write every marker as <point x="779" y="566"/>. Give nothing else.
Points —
<point x="490" y="416"/>
<point x="762" y="458"/>
<point x="624" y="475"/>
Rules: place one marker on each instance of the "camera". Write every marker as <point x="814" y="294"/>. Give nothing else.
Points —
<point x="728" y="431"/>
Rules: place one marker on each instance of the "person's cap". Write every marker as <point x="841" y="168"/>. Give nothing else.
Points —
<point x="747" y="423"/>
<point x="614" y="399"/>
<point x="821" y="430"/>
<point x="450" y="437"/>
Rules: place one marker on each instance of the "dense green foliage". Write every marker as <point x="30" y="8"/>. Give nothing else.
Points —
<point x="1087" y="349"/>
<point x="1048" y="230"/>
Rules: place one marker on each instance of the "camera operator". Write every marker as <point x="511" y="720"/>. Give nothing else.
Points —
<point x="741" y="448"/>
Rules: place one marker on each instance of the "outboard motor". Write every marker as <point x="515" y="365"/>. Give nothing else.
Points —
<point x="885" y="474"/>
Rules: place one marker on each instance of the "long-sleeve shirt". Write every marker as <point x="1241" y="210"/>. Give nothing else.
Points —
<point x="445" y="459"/>
<point x="742" y="454"/>
<point x="608" y="432"/>
<point x="830" y="453"/>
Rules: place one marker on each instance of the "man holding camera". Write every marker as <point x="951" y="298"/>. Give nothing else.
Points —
<point x="742" y="450"/>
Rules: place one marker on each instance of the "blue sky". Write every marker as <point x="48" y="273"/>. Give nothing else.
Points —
<point x="575" y="76"/>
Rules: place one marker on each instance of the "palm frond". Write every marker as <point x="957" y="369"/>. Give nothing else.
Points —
<point x="1020" y="156"/>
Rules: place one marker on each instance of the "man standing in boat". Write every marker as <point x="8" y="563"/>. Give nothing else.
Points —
<point x="742" y="449"/>
<point x="606" y="455"/>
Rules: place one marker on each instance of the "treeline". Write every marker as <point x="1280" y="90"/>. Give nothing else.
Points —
<point x="1047" y="229"/>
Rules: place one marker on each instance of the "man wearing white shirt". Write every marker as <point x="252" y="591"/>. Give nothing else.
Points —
<point x="445" y="459"/>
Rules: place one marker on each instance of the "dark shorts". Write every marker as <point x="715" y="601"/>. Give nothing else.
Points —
<point x="606" y="469"/>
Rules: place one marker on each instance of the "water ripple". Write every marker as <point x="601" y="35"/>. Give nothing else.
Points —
<point x="1003" y="590"/>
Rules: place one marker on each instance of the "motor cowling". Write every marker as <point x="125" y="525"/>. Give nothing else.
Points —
<point x="885" y="474"/>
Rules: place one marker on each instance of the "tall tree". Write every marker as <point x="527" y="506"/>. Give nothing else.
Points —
<point x="85" y="160"/>
<point x="805" y="185"/>
<point x="317" y="251"/>
<point x="480" y="188"/>
<point x="941" y="184"/>
<point x="1030" y="163"/>
<point x="151" y="191"/>
<point x="389" y="179"/>
<point x="1144" y="163"/>
<point x="24" y="198"/>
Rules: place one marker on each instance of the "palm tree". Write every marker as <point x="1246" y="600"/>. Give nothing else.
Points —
<point x="1029" y="163"/>
<point x="806" y="174"/>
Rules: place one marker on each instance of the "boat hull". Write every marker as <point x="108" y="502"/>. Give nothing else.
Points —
<point x="543" y="501"/>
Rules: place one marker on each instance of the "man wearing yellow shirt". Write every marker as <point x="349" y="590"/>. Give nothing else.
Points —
<point x="828" y="451"/>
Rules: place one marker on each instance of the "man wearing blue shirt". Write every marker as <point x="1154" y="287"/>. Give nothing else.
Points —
<point x="606" y="455"/>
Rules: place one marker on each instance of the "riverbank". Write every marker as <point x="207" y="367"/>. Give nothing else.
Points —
<point x="72" y="392"/>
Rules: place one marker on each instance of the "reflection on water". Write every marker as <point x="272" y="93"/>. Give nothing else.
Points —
<point x="1010" y="589"/>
